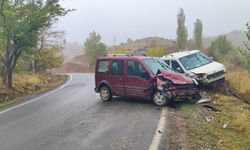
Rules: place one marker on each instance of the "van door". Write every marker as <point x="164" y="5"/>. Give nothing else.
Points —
<point x="117" y="78"/>
<point x="138" y="80"/>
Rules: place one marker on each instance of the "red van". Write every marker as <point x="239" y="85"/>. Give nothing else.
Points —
<point x="140" y="76"/>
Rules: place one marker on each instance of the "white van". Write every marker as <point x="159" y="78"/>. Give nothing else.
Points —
<point x="197" y="65"/>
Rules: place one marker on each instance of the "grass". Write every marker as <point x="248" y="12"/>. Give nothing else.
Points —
<point x="240" y="81"/>
<point x="211" y="134"/>
<point x="7" y="103"/>
<point x="28" y="84"/>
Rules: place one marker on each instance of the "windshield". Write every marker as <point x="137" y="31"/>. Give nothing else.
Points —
<point x="195" y="60"/>
<point x="155" y="64"/>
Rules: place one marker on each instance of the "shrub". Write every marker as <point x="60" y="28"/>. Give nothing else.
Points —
<point x="156" y="52"/>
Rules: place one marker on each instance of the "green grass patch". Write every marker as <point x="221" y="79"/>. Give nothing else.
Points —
<point x="7" y="103"/>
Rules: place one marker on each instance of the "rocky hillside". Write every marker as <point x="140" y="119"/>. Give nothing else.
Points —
<point x="238" y="38"/>
<point x="144" y="43"/>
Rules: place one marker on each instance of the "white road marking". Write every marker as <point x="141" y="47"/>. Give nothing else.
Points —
<point x="159" y="131"/>
<point x="37" y="98"/>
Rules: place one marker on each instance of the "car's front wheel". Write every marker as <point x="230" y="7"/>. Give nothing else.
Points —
<point x="105" y="94"/>
<point x="159" y="98"/>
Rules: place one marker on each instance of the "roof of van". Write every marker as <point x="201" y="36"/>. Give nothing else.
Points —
<point x="123" y="57"/>
<point x="180" y="54"/>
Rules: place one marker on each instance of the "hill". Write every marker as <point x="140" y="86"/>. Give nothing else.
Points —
<point x="238" y="38"/>
<point x="144" y="43"/>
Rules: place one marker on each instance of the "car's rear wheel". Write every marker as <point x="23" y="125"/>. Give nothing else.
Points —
<point x="159" y="98"/>
<point x="105" y="93"/>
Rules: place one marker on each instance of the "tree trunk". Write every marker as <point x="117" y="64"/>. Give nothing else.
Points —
<point x="33" y="66"/>
<point x="9" y="79"/>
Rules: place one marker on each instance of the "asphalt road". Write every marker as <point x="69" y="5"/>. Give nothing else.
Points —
<point x="74" y="118"/>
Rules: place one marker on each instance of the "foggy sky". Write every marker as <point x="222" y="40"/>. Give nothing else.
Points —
<point x="118" y="20"/>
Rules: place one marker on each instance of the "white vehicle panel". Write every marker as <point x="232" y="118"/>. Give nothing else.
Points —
<point x="209" y="68"/>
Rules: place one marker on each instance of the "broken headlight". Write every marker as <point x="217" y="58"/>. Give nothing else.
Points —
<point x="201" y="76"/>
<point x="160" y="87"/>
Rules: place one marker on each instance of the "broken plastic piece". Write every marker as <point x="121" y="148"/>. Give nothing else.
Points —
<point x="225" y="126"/>
<point x="203" y="100"/>
<point x="212" y="108"/>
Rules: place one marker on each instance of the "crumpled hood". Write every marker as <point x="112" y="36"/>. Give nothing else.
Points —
<point x="176" y="78"/>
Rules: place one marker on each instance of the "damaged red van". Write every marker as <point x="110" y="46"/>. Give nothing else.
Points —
<point x="139" y="76"/>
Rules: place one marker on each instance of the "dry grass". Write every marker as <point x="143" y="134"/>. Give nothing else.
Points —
<point x="236" y="113"/>
<point x="240" y="82"/>
<point x="28" y="84"/>
<point x="212" y="135"/>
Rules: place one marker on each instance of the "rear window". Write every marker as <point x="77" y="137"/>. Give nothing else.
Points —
<point x="103" y="66"/>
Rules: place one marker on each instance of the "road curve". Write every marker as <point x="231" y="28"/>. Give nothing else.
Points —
<point x="73" y="118"/>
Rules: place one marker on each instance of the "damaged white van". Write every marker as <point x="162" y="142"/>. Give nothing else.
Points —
<point x="197" y="65"/>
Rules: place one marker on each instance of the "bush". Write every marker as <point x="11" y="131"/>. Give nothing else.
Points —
<point x="119" y="51"/>
<point x="220" y="47"/>
<point x="156" y="52"/>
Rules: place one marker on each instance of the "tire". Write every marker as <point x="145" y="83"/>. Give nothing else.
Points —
<point x="105" y="94"/>
<point x="159" y="98"/>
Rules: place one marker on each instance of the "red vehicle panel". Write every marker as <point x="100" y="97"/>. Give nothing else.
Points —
<point x="140" y="76"/>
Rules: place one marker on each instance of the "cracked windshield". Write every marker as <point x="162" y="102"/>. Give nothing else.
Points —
<point x="124" y="75"/>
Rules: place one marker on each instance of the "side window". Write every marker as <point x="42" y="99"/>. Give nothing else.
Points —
<point x="135" y="69"/>
<point x="175" y="66"/>
<point x="103" y="67"/>
<point x="117" y="67"/>
<point x="167" y="62"/>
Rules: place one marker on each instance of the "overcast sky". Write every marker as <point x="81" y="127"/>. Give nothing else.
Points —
<point x="123" y="19"/>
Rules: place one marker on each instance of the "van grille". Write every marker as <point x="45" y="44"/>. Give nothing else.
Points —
<point x="215" y="75"/>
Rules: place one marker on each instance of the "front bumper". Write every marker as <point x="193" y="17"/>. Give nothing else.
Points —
<point x="182" y="92"/>
<point x="212" y="77"/>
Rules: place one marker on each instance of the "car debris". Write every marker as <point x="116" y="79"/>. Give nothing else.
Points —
<point x="203" y="100"/>
<point x="225" y="126"/>
<point x="211" y="108"/>
<point x="208" y="119"/>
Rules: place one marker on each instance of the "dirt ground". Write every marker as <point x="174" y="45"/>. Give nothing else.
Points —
<point x="175" y="136"/>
